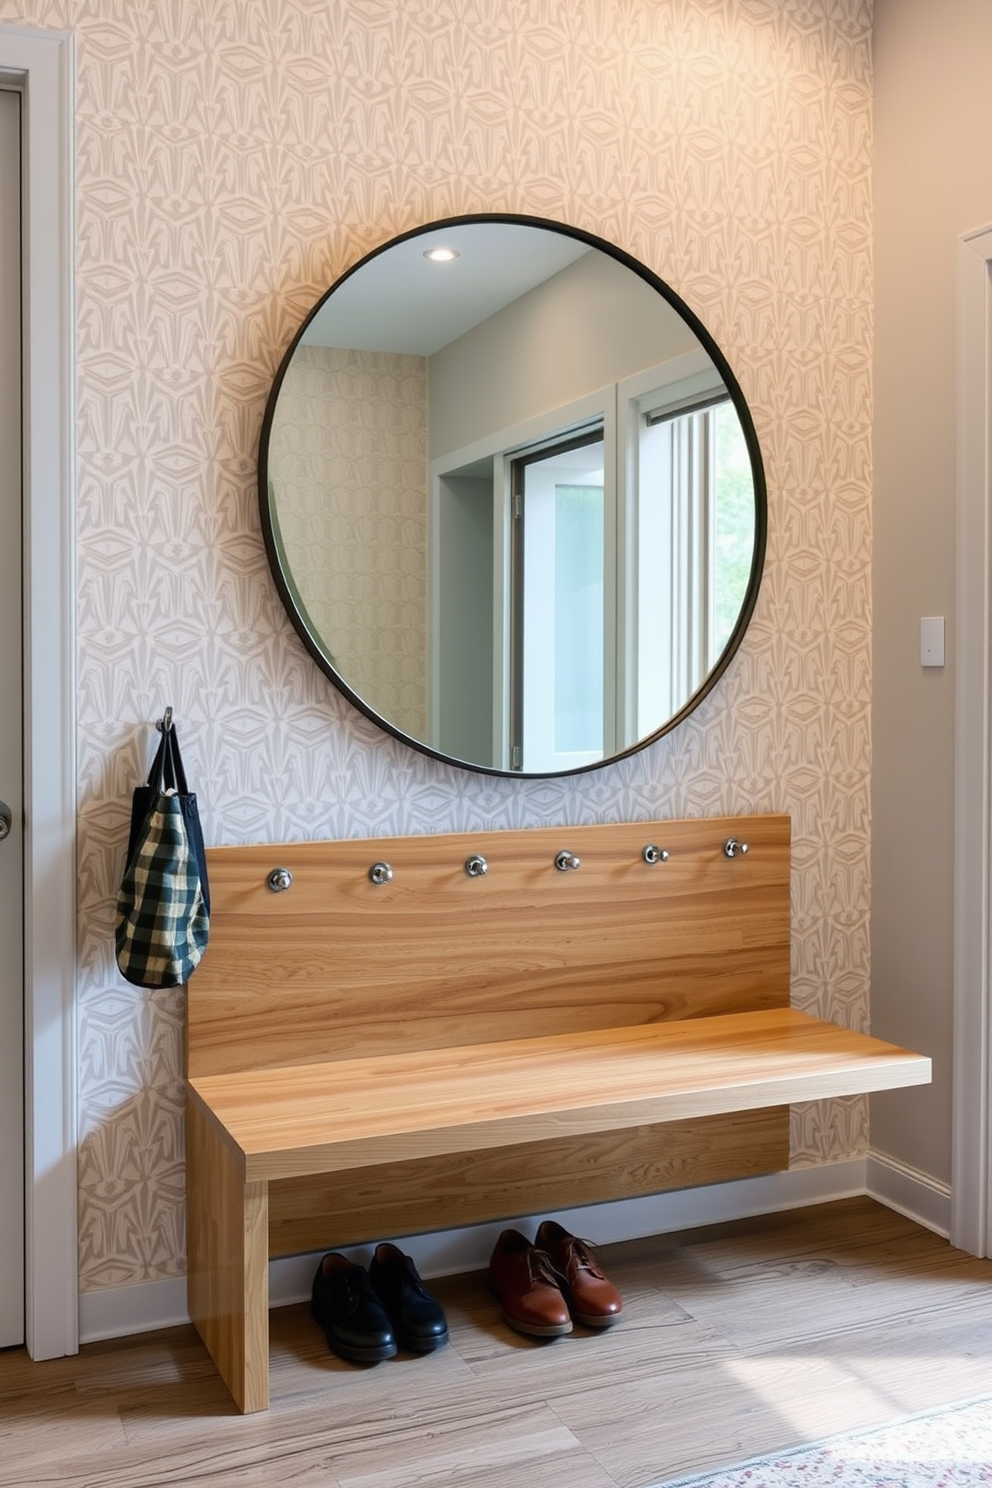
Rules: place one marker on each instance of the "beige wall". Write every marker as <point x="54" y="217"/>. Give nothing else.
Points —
<point x="590" y="325"/>
<point x="348" y="472"/>
<point x="933" y="181"/>
<point x="231" y="159"/>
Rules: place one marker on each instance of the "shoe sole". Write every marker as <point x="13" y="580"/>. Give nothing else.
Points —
<point x="593" y="1321"/>
<point x="532" y="1330"/>
<point x="421" y="1345"/>
<point x="537" y="1330"/>
<point x="354" y="1353"/>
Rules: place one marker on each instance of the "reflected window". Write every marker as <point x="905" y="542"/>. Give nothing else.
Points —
<point x="606" y="562"/>
<point x="695" y="525"/>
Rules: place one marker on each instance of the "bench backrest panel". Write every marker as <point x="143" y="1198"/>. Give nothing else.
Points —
<point x="339" y="967"/>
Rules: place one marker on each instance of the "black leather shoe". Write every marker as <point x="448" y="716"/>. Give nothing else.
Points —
<point x="350" y="1313"/>
<point x="418" y="1319"/>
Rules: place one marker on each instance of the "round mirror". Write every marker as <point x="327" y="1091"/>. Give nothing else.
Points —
<point x="512" y="496"/>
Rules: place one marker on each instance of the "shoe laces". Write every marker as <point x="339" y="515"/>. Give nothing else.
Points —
<point x="345" y="1283"/>
<point x="585" y="1256"/>
<point x="413" y="1280"/>
<point x="542" y="1268"/>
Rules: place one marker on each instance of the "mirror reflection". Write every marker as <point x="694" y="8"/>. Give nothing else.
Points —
<point x="512" y="497"/>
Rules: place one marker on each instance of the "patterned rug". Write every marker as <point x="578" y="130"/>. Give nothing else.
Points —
<point x="946" y="1448"/>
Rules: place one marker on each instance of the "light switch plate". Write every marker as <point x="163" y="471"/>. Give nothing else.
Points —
<point x="932" y="641"/>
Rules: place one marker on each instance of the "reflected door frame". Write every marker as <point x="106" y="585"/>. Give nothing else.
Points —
<point x="971" y="1152"/>
<point x="535" y="601"/>
<point x="498" y="451"/>
<point x="11" y="733"/>
<point x="40" y="63"/>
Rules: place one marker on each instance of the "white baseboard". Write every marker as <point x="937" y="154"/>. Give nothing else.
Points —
<point x="115" y="1312"/>
<point x="919" y="1197"/>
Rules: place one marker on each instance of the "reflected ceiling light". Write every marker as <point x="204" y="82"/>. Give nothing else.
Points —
<point x="440" y="255"/>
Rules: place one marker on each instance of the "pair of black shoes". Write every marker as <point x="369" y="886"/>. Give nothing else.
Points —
<point x="367" y="1315"/>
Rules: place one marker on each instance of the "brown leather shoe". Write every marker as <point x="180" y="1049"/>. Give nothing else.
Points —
<point x="522" y="1278"/>
<point x="593" y="1299"/>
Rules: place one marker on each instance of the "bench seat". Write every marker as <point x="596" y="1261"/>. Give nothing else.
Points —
<point x="245" y="1130"/>
<point x="525" y="1037"/>
<point x="331" y="1116"/>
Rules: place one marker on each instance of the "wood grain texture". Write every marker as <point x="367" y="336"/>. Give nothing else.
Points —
<point x="536" y="1029"/>
<point x="737" y="1339"/>
<point x="404" y="1198"/>
<point x="227" y="1262"/>
<point x="349" y="1114"/>
<point x="339" y="968"/>
<point x="386" y="985"/>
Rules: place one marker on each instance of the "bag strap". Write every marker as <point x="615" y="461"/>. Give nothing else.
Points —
<point x="156" y="773"/>
<point x="175" y="773"/>
<point x="167" y="772"/>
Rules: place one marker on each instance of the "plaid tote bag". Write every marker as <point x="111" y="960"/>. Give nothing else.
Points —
<point x="162" y="921"/>
<point x="168" y="773"/>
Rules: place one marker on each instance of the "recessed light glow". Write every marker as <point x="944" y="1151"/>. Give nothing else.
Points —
<point x="441" y="255"/>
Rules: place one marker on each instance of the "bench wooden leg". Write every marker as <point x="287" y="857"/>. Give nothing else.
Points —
<point x="227" y="1263"/>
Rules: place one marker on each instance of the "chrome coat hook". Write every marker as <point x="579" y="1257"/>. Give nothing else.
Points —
<point x="165" y="723"/>
<point x="734" y="849"/>
<point x="279" y="880"/>
<point x="566" y="860"/>
<point x="476" y="866"/>
<point x="654" y="854"/>
<point x="380" y="873"/>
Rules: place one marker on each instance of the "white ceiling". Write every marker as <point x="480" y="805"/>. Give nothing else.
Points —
<point x="399" y="301"/>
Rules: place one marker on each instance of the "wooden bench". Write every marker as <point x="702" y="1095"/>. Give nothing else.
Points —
<point x="368" y="1060"/>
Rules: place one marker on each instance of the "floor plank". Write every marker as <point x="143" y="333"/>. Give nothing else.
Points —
<point x="736" y="1340"/>
<point x="496" y="1443"/>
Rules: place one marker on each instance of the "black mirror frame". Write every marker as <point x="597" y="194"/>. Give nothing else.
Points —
<point x="296" y="609"/>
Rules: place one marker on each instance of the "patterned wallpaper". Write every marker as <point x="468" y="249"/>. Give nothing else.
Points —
<point x="349" y="485"/>
<point x="232" y="159"/>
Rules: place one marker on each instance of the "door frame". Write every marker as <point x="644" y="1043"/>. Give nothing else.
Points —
<point x="971" y="1188"/>
<point x="40" y="64"/>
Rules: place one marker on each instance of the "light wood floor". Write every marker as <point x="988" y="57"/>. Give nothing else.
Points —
<point x="736" y="1340"/>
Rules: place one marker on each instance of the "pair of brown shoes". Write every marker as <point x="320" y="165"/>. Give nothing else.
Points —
<point x="546" y="1284"/>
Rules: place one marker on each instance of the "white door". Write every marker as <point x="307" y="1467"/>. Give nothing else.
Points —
<point x="11" y="845"/>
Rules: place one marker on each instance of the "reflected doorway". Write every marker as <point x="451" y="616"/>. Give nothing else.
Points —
<point x="558" y="686"/>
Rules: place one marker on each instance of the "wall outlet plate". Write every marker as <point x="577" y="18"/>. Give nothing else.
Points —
<point x="932" y="641"/>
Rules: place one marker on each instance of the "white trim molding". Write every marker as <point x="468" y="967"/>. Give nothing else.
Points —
<point x="970" y="1228"/>
<point x="40" y="64"/>
<point x="918" y="1196"/>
